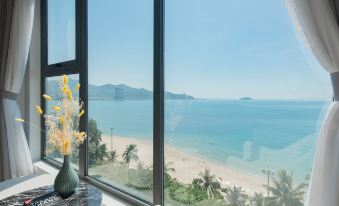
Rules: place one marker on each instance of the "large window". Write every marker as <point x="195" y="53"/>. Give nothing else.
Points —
<point x="120" y="95"/>
<point x="253" y="113"/>
<point x="214" y="103"/>
<point x="62" y="53"/>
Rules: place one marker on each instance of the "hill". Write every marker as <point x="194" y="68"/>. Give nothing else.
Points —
<point x="113" y="92"/>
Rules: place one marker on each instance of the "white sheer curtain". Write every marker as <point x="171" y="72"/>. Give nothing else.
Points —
<point x="15" y="156"/>
<point x="316" y="21"/>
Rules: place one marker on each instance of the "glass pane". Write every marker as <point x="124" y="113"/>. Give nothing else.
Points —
<point x="258" y="100"/>
<point x="52" y="85"/>
<point x="120" y="94"/>
<point x="61" y="30"/>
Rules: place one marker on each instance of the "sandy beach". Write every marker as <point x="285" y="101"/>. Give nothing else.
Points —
<point x="187" y="166"/>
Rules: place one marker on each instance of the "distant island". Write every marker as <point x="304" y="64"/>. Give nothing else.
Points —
<point x="246" y="98"/>
<point x="113" y="92"/>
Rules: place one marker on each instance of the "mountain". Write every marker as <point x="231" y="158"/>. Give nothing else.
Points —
<point x="113" y="92"/>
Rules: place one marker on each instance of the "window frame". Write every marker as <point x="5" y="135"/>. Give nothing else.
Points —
<point x="57" y="69"/>
<point x="80" y="66"/>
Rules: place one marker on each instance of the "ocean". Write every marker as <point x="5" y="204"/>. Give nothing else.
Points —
<point x="245" y="135"/>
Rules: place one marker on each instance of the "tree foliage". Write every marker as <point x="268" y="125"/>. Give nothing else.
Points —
<point x="257" y="199"/>
<point x="284" y="192"/>
<point x="235" y="196"/>
<point x="208" y="183"/>
<point x="113" y="156"/>
<point x="130" y="153"/>
<point x="96" y="150"/>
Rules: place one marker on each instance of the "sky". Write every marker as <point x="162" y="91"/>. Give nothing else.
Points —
<point x="217" y="49"/>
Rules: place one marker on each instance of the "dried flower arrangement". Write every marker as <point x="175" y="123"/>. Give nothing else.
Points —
<point x="63" y="123"/>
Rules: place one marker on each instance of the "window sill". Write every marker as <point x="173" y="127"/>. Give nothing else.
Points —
<point x="44" y="175"/>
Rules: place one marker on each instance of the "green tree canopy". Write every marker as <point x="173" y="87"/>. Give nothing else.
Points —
<point x="284" y="192"/>
<point x="97" y="150"/>
<point x="130" y="153"/>
<point x="235" y="196"/>
<point x="208" y="183"/>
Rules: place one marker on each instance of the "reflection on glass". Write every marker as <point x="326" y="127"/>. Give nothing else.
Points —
<point x="52" y="85"/>
<point x="120" y="95"/>
<point x="254" y="114"/>
<point x="61" y="30"/>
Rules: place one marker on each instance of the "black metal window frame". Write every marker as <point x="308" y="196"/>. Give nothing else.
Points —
<point x="80" y="66"/>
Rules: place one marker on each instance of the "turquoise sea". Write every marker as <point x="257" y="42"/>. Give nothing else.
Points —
<point x="245" y="135"/>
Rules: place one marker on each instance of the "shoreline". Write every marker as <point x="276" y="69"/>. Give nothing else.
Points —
<point x="187" y="166"/>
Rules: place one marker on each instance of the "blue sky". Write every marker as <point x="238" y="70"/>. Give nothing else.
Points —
<point x="221" y="49"/>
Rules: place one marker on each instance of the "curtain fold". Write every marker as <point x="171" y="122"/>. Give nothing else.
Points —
<point x="324" y="184"/>
<point x="15" y="30"/>
<point x="316" y="22"/>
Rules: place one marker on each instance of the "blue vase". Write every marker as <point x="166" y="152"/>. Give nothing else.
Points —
<point x="67" y="180"/>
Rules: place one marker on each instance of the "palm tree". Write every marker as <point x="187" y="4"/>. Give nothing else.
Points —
<point x="284" y="192"/>
<point x="207" y="182"/>
<point x="235" y="196"/>
<point x="257" y="199"/>
<point x="130" y="153"/>
<point x="112" y="156"/>
<point x="269" y="174"/>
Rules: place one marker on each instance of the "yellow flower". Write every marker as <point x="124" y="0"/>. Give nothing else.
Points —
<point x="38" y="109"/>
<point x="65" y="89"/>
<point x="47" y="98"/>
<point x="19" y="120"/>
<point x="69" y="94"/>
<point x="66" y="147"/>
<point x="82" y="112"/>
<point x="62" y="120"/>
<point x="77" y="87"/>
<point x="79" y="136"/>
<point x="56" y="108"/>
<point x="65" y="79"/>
